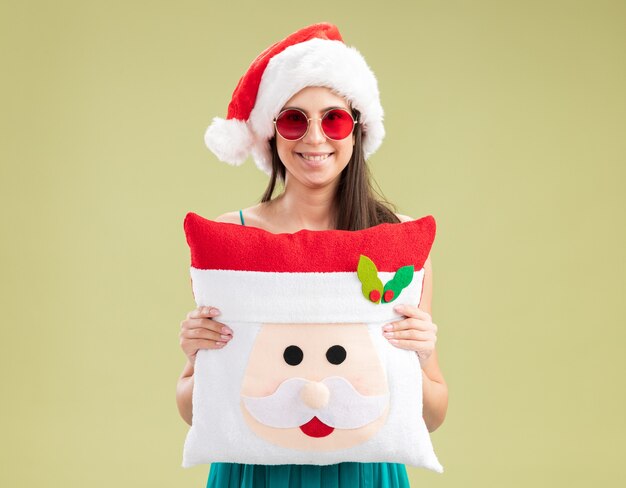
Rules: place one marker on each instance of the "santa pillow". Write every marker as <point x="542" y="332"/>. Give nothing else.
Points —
<point x="308" y="377"/>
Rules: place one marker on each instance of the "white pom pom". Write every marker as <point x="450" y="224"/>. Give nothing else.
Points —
<point x="230" y="140"/>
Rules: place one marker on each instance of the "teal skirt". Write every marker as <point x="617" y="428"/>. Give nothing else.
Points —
<point x="343" y="475"/>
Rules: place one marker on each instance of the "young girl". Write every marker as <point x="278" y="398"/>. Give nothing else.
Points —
<point x="308" y="111"/>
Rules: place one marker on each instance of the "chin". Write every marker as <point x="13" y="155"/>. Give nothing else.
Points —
<point x="319" y="182"/>
<point x="316" y="176"/>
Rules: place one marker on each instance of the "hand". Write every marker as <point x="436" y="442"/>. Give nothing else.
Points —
<point x="416" y="333"/>
<point x="200" y="331"/>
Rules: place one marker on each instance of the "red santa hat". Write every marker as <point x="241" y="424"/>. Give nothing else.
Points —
<point x="312" y="56"/>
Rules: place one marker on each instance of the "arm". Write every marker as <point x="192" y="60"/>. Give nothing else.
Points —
<point x="184" y="392"/>
<point x="196" y="333"/>
<point x="199" y="331"/>
<point x="434" y="387"/>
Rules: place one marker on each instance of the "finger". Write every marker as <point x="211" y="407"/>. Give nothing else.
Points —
<point x="203" y="312"/>
<point x="197" y="344"/>
<point x="412" y="311"/>
<point x="201" y="333"/>
<point x="412" y="334"/>
<point x="404" y="344"/>
<point x="203" y="323"/>
<point x="423" y="352"/>
<point x="406" y="324"/>
<point x="206" y="324"/>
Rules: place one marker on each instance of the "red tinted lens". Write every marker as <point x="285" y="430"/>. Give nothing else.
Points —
<point x="292" y="124"/>
<point x="337" y="124"/>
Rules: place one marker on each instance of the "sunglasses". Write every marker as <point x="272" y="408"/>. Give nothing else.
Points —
<point x="293" y="124"/>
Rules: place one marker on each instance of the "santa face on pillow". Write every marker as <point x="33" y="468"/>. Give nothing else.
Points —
<point x="308" y="377"/>
<point x="314" y="386"/>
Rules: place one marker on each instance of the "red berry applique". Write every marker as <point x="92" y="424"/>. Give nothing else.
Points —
<point x="374" y="295"/>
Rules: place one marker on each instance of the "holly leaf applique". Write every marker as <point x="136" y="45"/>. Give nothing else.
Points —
<point x="371" y="286"/>
<point x="399" y="282"/>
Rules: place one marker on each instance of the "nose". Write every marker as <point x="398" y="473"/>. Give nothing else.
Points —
<point x="315" y="394"/>
<point x="314" y="135"/>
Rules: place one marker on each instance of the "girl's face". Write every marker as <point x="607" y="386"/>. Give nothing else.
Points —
<point x="315" y="161"/>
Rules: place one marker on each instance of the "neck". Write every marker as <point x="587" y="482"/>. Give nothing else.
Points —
<point x="307" y="208"/>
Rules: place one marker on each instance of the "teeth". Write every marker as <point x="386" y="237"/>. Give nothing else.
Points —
<point x="315" y="158"/>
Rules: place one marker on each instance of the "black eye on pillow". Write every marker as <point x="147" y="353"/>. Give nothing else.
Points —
<point x="293" y="355"/>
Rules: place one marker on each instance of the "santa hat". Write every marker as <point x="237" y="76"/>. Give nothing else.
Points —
<point x="330" y="276"/>
<point x="312" y="56"/>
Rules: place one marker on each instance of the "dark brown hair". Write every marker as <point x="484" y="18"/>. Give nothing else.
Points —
<point x="357" y="205"/>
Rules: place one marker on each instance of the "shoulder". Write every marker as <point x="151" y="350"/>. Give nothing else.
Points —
<point x="229" y="218"/>
<point x="404" y="218"/>
<point x="252" y="216"/>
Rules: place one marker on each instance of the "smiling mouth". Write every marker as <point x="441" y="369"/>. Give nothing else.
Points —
<point x="314" y="157"/>
<point x="316" y="428"/>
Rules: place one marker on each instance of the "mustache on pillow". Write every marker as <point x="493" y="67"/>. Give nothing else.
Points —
<point x="346" y="407"/>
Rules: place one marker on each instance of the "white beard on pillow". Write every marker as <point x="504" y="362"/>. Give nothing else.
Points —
<point x="308" y="377"/>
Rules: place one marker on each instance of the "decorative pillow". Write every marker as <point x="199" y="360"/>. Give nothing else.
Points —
<point x="308" y="377"/>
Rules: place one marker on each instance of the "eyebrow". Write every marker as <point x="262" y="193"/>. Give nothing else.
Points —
<point x="323" y="110"/>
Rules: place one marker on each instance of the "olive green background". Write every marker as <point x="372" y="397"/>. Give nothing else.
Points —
<point x="505" y="120"/>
